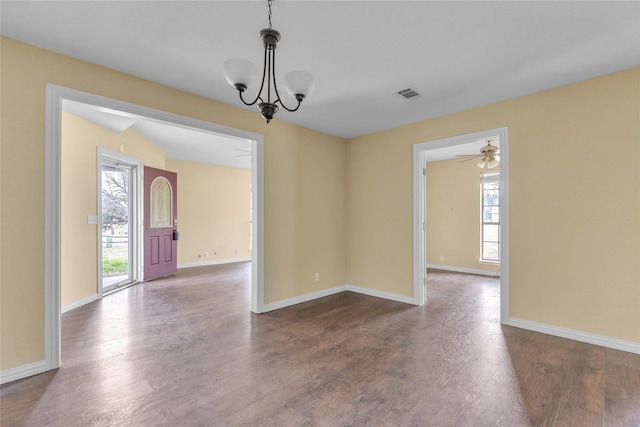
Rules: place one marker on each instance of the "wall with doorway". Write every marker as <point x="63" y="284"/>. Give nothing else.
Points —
<point x="80" y="139"/>
<point x="453" y="215"/>
<point x="304" y="193"/>
<point x="214" y="215"/>
<point x="574" y="203"/>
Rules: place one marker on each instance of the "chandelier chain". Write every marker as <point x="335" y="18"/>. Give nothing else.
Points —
<point x="269" y="4"/>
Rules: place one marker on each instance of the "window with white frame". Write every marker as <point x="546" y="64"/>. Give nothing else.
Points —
<point x="490" y="221"/>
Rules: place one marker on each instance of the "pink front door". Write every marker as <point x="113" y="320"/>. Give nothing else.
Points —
<point x="160" y="223"/>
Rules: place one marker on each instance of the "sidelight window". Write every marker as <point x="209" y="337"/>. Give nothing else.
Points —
<point x="490" y="213"/>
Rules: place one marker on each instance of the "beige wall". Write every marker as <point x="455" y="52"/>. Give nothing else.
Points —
<point x="575" y="214"/>
<point x="453" y="214"/>
<point x="304" y="194"/>
<point x="213" y="212"/>
<point x="574" y="203"/>
<point x="79" y="253"/>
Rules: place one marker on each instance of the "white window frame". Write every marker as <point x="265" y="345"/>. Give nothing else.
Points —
<point x="487" y="178"/>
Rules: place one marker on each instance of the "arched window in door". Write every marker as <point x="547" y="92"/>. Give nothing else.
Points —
<point x="161" y="203"/>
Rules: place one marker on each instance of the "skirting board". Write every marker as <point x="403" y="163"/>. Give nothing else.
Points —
<point x="214" y="262"/>
<point x="465" y="270"/>
<point x="23" y="371"/>
<point x="614" y="343"/>
<point x="79" y="303"/>
<point x="331" y="291"/>
<point x="381" y="294"/>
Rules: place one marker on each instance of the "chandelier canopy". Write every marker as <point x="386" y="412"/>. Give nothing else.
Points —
<point x="241" y="73"/>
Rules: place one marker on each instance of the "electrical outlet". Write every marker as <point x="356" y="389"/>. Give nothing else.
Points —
<point x="206" y="254"/>
<point x="441" y="257"/>
<point x="317" y="277"/>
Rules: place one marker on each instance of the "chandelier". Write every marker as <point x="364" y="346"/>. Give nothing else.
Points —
<point x="241" y="73"/>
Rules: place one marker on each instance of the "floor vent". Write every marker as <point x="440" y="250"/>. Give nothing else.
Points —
<point x="408" y="93"/>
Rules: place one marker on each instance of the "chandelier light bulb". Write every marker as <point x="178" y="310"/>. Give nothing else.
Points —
<point x="299" y="83"/>
<point x="240" y="72"/>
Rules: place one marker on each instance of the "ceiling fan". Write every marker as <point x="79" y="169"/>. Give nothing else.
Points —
<point x="489" y="156"/>
<point x="245" y="152"/>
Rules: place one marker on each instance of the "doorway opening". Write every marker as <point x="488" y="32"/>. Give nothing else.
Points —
<point x="119" y="250"/>
<point x="440" y="150"/>
<point x="56" y="96"/>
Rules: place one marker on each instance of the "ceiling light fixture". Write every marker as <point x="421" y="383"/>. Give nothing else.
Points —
<point x="490" y="158"/>
<point x="241" y="73"/>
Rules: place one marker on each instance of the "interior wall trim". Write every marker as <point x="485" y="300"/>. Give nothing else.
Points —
<point x="572" y="334"/>
<point x="382" y="294"/>
<point x="303" y="298"/>
<point x="214" y="262"/>
<point x="336" y="290"/>
<point x="420" y="159"/>
<point x="23" y="371"/>
<point x="465" y="270"/>
<point x="53" y="144"/>
<point x="79" y="303"/>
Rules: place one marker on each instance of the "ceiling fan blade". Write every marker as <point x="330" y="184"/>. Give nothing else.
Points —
<point x="470" y="158"/>
<point x="468" y="155"/>
<point x="242" y="155"/>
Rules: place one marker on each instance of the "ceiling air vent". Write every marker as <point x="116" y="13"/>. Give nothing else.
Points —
<point x="409" y="93"/>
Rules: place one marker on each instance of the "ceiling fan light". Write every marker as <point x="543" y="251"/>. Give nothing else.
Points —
<point x="492" y="163"/>
<point x="299" y="83"/>
<point x="482" y="163"/>
<point x="240" y="72"/>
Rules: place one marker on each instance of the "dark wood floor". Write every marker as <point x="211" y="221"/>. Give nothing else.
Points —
<point x="186" y="351"/>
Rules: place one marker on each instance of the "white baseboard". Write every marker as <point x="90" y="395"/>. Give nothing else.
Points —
<point x="465" y="270"/>
<point x="79" y="303"/>
<point x="214" y="262"/>
<point x="381" y="294"/>
<point x="23" y="371"/>
<point x="331" y="291"/>
<point x="302" y="298"/>
<point x="601" y="340"/>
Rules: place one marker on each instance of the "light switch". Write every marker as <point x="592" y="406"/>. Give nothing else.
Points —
<point x="92" y="219"/>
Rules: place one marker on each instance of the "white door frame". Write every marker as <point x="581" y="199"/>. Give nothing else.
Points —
<point x="53" y="144"/>
<point x="420" y="156"/>
<point x="135" y="220"/>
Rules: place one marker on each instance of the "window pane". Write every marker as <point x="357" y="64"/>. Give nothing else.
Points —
<point x="491" y="197"/>
<point x="161" y="203"/>
<point x="492" y="186"/>
<point x="491" y="233"/>
<point x="491" y="214"/>
<point x="491" y="251"/>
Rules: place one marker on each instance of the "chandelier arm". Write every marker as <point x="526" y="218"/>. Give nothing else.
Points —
<point x="275" y="86"/>
<point x="264" y="73"/>
<point x="271" y="63"/>
<point x="250" y="103"/>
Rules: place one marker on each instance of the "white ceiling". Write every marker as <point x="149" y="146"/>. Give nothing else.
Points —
<point x="457" y="55"/>
<point x="178" y="142"/>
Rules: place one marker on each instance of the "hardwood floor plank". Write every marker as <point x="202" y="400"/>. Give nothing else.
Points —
<point x="185" y="350"/>
<point x="622" y="389"/>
